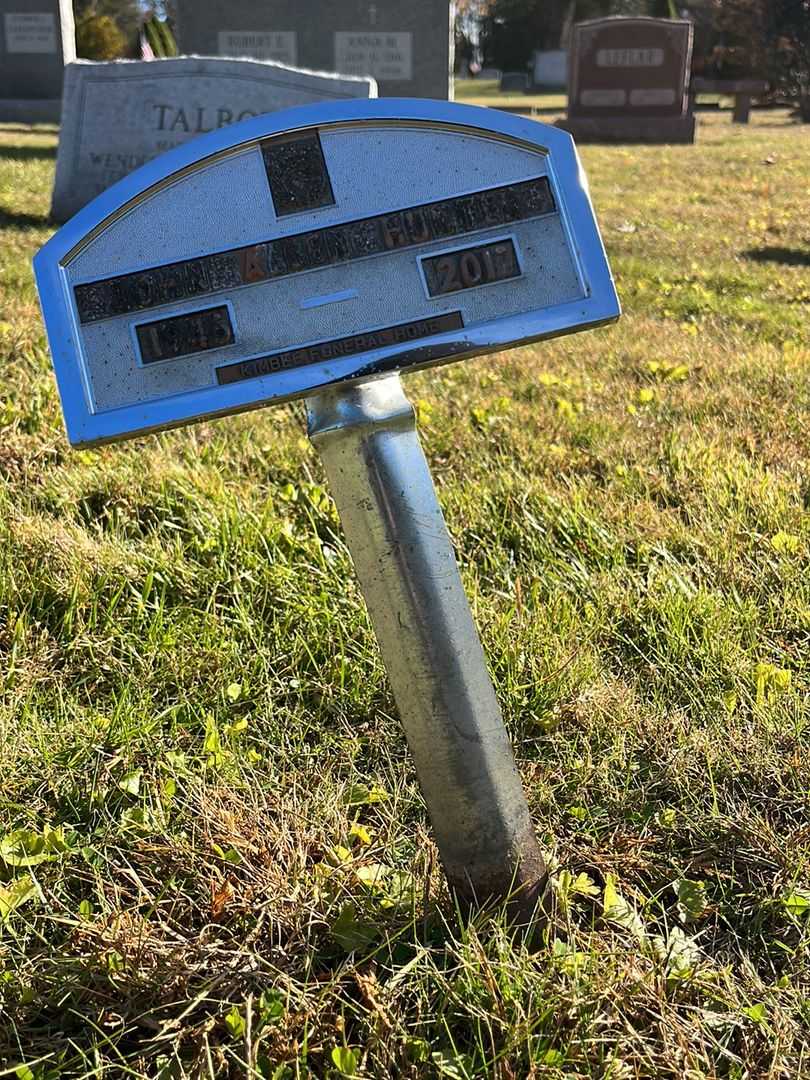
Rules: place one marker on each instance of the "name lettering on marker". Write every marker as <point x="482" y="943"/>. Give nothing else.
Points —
<point x="379" y="235"/>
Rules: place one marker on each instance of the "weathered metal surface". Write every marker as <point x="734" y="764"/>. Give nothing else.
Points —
<point x="404" y="559"/>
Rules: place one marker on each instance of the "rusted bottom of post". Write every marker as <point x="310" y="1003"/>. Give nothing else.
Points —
<point x="522" y="896"/>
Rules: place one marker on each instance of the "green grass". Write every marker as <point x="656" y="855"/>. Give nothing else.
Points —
<point x="194" y="715"/>
<point x="552" y="102"/>
<point x="486" y="92"/>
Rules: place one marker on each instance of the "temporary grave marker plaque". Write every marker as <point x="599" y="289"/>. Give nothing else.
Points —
<point x="317" y="253"/>
<point x="332" y="269"/>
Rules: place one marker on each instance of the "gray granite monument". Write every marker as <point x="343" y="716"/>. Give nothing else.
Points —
<point x="514" y="82"/>
<point x="117" y="115"/>
<point x="406" y="47"/>
<point x="37" y="39"/>
<point x="628" y="80"/>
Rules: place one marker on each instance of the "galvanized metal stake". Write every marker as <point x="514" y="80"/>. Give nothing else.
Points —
<point x="366" y="435"/>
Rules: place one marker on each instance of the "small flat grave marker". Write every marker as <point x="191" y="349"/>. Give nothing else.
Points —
<point x="317" y="253"/>
<point x="514" y="82"/>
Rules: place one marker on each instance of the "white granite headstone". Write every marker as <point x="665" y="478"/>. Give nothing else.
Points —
<point x="119" y="115"/>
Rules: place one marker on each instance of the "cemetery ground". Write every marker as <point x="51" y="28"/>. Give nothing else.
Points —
<point x="214" y="859"/>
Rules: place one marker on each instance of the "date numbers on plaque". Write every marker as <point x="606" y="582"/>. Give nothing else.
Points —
<point x="169" y="339"/>
<point x="469" y="267"/>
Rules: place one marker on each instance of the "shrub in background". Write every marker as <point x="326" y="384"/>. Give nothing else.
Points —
<point x="98" y="37"/>
<point x="790" y="52"/>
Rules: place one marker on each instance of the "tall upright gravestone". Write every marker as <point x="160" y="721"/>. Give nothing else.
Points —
<point x="120" y="114"/>
<point x="406" y="47"/>
<point x="37" y="39"/>
<point x="628" y="81"/>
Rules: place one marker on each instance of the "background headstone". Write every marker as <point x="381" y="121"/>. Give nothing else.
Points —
<point x="118" y="115"/>
<point x="628" y="80"/>
<point x="406" y="47"/>
<point x="514" y="82"/>
<point x="37" y="39"/>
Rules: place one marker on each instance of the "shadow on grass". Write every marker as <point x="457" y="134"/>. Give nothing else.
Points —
<point x="786" y="256"/>
<point x="11" y="220"/>
<point x="27" y="153"/>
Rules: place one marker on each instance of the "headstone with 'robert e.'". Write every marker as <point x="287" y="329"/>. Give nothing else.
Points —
<point x="406" y="48"/>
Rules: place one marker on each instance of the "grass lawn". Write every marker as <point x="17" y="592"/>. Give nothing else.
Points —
<point x="486" y="92"/>
<point x="214" y="858"/>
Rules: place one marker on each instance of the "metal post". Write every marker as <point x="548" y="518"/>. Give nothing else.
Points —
<point x="366" y="435"/>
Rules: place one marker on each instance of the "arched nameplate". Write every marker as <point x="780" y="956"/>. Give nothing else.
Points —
<point x="330" y="243"/>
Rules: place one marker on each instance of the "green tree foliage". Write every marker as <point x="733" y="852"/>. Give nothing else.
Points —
<point x="160" y="37"/>
<point x="98" y="37"/>
<point x="789" y="53"/>
<point x="768" y="38"/>
<point x="125" y="14"/>
<point x="741" y="38"/>
<point x="513" y="29"/>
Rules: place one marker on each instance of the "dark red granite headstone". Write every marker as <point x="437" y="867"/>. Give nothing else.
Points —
<point x="628" y="80"/>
